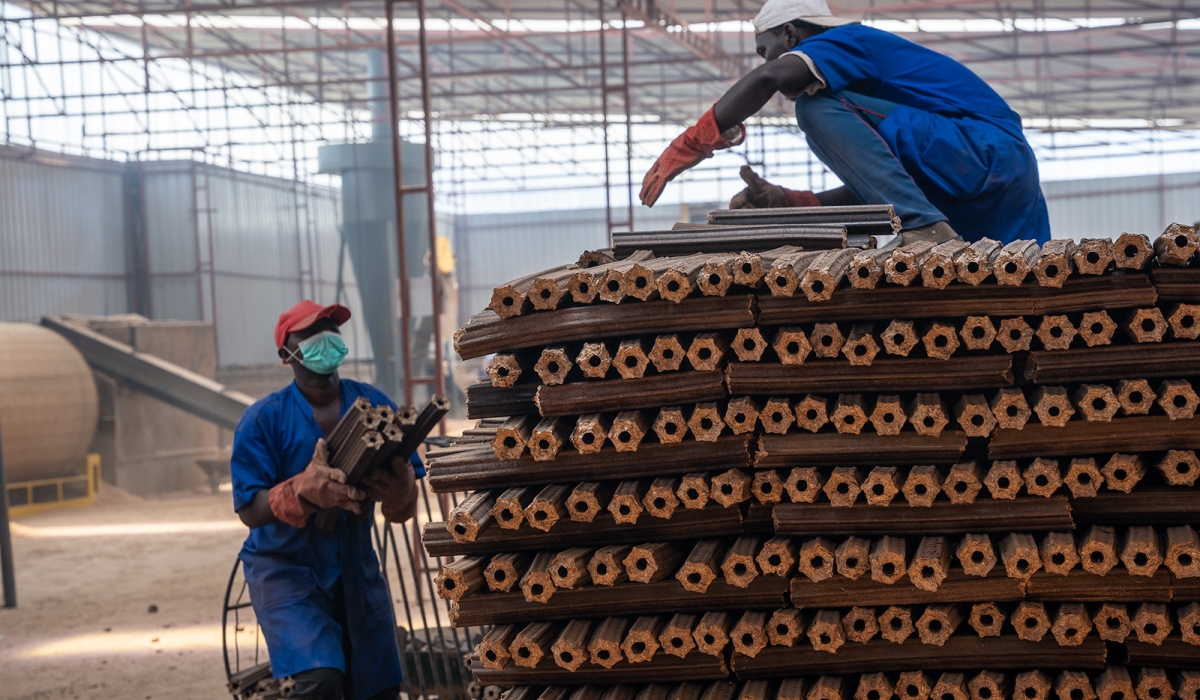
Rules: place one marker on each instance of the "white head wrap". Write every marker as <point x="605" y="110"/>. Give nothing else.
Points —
<point x="777" y="12"/>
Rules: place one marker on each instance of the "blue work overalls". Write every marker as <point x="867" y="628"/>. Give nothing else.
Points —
<point x="901" y="124"/>
<point x="298" y="577"/>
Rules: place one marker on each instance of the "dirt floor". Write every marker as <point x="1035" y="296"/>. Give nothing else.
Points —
<point x="121" y="599"/>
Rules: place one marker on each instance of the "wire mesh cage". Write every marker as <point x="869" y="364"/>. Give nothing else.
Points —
<point x="435" y="653"/>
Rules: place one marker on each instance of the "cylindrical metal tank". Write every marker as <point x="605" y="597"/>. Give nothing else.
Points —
<point x="48" y="404"/>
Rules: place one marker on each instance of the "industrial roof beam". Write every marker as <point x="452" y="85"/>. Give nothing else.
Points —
<point x="671" y="26"/>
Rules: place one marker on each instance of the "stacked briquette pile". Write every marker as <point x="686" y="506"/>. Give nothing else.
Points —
<point x="942" y="472"/>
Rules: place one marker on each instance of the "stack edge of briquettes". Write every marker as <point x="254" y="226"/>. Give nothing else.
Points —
<point x="760" y="459"/>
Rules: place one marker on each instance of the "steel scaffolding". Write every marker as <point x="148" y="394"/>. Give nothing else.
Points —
<point x="540" y="95"/>
<point x="558" y="103"/>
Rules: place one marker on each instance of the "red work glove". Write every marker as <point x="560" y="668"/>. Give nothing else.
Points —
<point x="318" y="486"/>
<point x="394" y="489"/>
<point x="760" y="194"/>
<point x="688" y="149"/>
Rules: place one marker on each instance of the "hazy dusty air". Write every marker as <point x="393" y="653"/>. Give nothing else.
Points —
<point x="686" y="350"/>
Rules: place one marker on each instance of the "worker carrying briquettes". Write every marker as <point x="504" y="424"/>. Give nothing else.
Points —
<point x="320" y="599"/>
<point x="896" y="122"/>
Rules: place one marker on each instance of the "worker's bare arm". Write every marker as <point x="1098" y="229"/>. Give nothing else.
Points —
<point x="787" y="74"/>
<point x="257" y="512"/>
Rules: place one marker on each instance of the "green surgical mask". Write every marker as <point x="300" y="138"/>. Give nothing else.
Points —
<point x="322" y="353"/>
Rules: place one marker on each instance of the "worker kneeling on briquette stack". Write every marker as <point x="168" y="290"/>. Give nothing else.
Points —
<point x="320" y="599"/>
<point x="896" y="122"/>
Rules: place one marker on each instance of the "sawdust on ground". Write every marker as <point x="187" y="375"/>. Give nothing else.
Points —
<point x="87" y="579"/>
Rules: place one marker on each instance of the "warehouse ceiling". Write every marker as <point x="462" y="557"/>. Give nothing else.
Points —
<point x="1063" y="64"/>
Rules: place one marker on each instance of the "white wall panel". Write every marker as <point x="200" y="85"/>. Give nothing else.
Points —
<point x="62" y="243"/>
<point x="1107" y="207"/>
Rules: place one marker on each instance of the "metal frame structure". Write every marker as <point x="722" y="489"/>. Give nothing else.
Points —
<point x="615" y="223"/>
<point x="540" y="98"/>
<point x="409" y="379"/>
<point x="131" y="90"/>
<point x="8" y="574"/>
<point x="525" y="95"/>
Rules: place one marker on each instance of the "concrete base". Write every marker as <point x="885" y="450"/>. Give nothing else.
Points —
<point x="148" y="447"/>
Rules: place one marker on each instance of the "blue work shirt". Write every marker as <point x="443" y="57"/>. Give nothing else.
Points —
<point x="953" y="134"/>
<point x="298" y="576"/>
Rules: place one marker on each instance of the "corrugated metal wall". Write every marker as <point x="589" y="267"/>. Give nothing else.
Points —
<point x="171" y="246"/>
<point x="62" y="241"/>
<point x="237" y="249"/>
<point x="221" y="246"/>
<point x="491" y="249"/>
<point x="1107" y="207"/>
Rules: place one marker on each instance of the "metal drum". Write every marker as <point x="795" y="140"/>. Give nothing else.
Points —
<point x="48" y="403"/>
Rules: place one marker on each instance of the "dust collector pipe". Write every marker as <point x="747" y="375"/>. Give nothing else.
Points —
<point x="48" y="403"/>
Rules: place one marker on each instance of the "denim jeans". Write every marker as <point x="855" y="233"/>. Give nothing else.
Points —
<point x="842" y="130"/>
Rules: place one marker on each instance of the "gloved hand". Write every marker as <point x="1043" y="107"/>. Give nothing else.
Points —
<point x="395" y="490"/>
<point x="318" y="486"/>
<point x="760" y="194"/>
<point x="689" y="148"/>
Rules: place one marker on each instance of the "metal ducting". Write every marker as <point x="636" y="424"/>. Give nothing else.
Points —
<point x="369" y="229"/>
